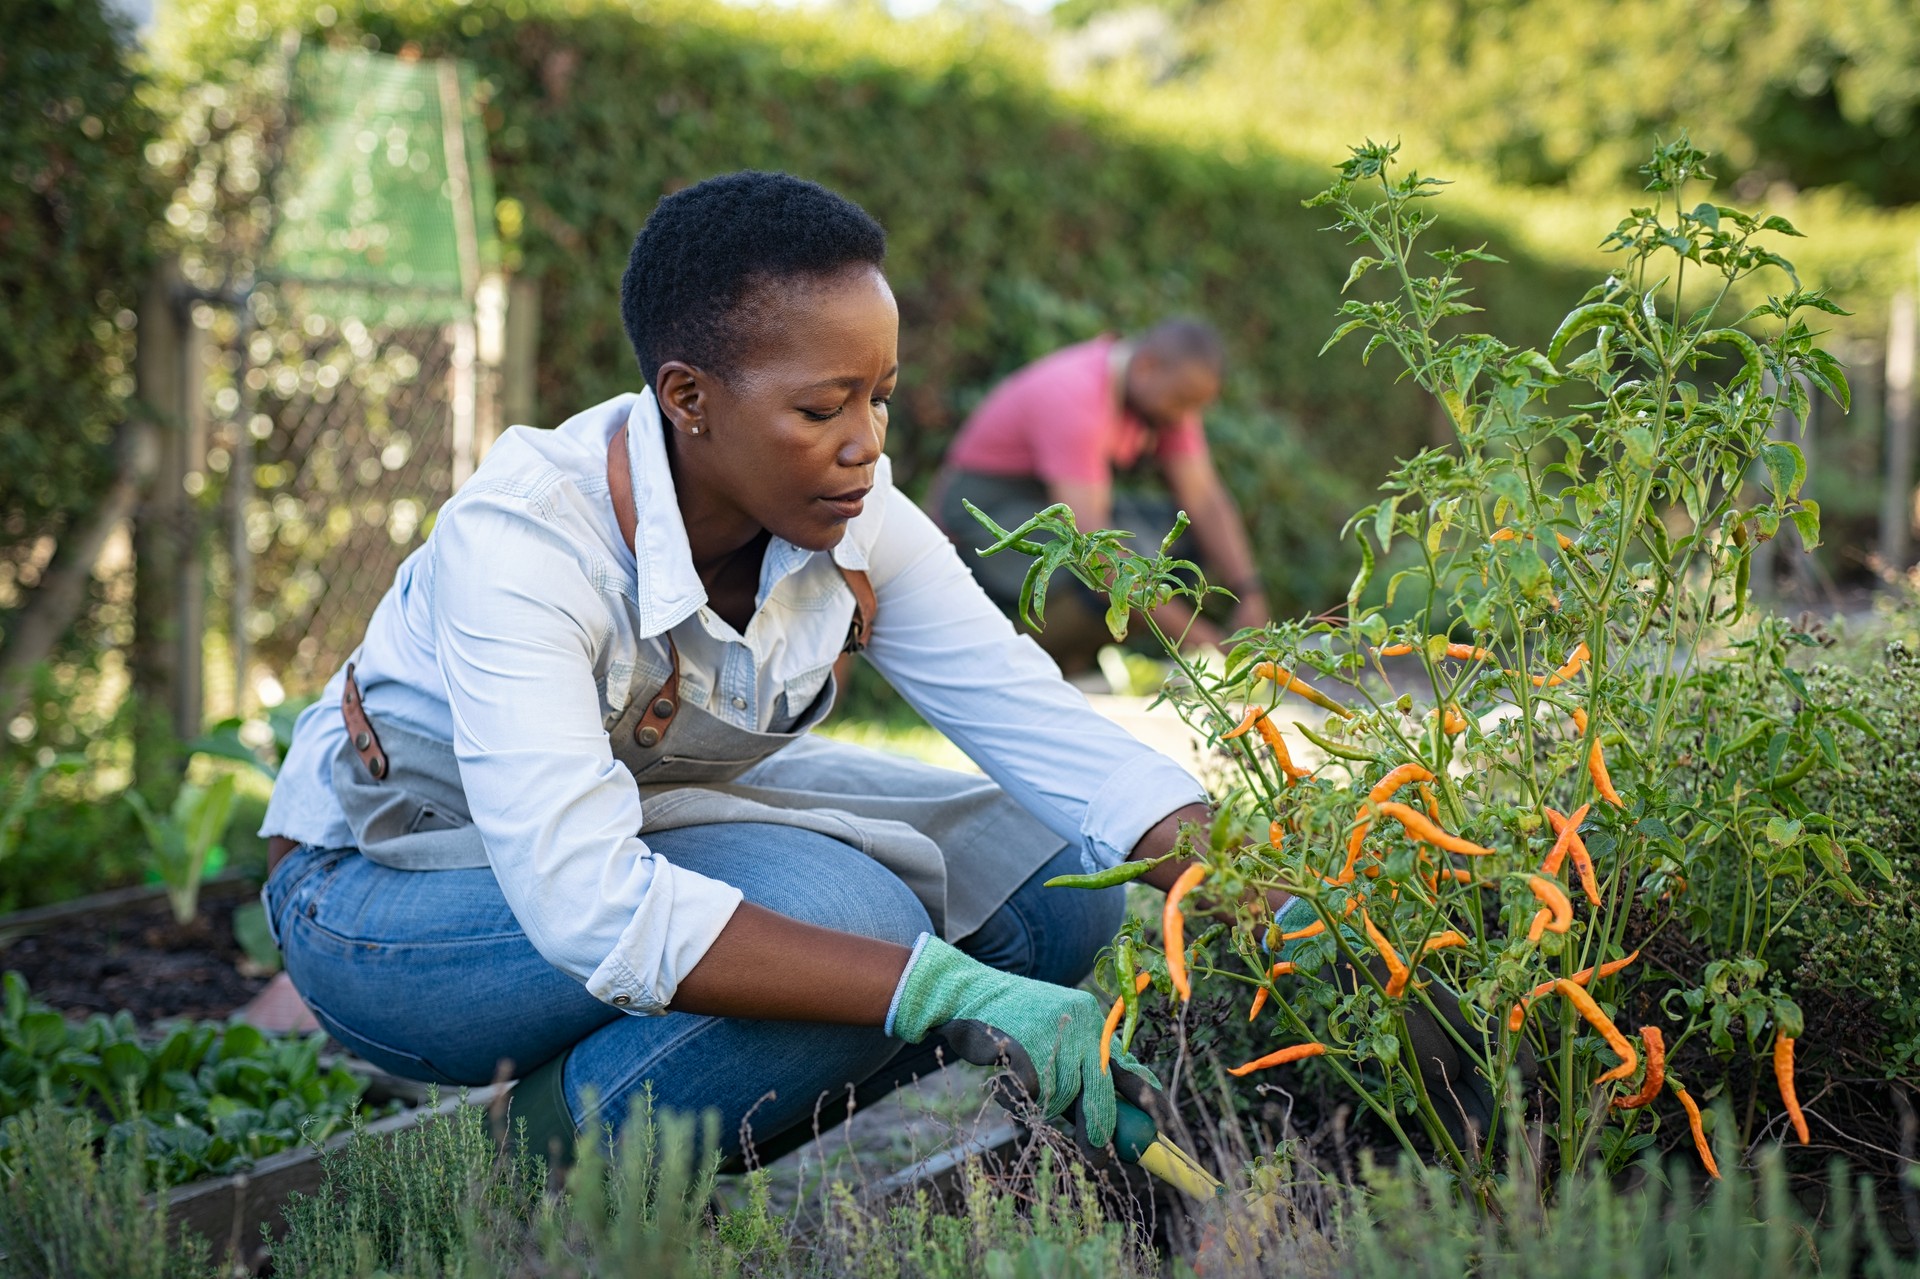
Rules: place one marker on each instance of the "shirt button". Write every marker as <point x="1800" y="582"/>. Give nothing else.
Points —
<point x="621" y="1001"/>
<point x="739" y="703"/>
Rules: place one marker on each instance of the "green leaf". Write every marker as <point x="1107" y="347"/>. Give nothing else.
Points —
<point x="1807" y="520"/>
<point x="1787" y="466"/>
<point x="1383" y="524"/>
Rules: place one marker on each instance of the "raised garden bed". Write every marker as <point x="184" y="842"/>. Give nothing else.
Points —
<point x="122" y="950"/>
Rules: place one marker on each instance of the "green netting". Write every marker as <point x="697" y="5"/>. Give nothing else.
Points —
<point x="372" y="220"/>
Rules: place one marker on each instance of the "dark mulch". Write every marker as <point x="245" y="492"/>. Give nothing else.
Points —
<point x="138" y="959"/>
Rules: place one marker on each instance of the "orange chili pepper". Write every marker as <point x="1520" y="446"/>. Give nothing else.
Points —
<point x="1298" y="1052"/>
<point x="1396" y="650"/>
<point x="1575" y="661"/>
<point x="1275" y="833"/>
<point x="1602" y="781"/>
<point x="1503" y="535"/>
<point x="1112" y="1023"/>
<point x="1354" y="842"/>
<point x="1281" y="969"/>
<point x="1314" y="929"/>
<point x="1468" y="653"/>
<point x="1621" y="1045"/>
<point x="1783" y="1075"/>
<point x="1270" y="732"/>
<point x="1445" y="941"/>
<point x="1566" y="543"/>
<point x="1568" y="831"/>
<point x="1581" y="978"/>
<point x="1284" y="678"/>
<point x="1656" y="1077"/>
<point x="1246" y="722"/>
<point x="1556" y="915"/>
<point x="1421" y="827"/>
<point x="1570" y="841"/>
<point x="1397" y="971"/>
<point x="1384" y="789"/>
<point x="1175" y="928"/>
<point x="1580" y="720"/>
<point x="1699" y="1133"/>
<point x="1453" y="723"/>
<point x="1428" y="802"/>
<point x="1458" y="874"/>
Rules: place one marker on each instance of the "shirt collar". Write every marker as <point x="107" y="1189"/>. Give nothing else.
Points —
<point x="667" y="588"/>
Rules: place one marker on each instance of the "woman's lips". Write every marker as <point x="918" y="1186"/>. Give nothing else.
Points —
<point x="847" y="505"/>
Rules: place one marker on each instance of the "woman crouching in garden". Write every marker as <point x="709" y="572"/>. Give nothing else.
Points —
<point x="562" y="817"/>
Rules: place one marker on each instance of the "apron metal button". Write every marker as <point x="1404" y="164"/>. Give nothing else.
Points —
<point x="647" y="736"/>
<point x="362" y="740"/>
<point x="377" y="766"/>
<point x="664" y="708"/>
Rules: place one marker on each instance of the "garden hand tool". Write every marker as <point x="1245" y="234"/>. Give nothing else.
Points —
<point x="1138" y="1140"/>
<point x="1049" y="1036"/>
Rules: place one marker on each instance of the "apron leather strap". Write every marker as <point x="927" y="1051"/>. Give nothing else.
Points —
<point x="366" y="743"/>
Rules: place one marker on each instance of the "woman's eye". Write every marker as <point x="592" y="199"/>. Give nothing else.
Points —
<point x="820" y="415"/>
<point x="883" y="400"/>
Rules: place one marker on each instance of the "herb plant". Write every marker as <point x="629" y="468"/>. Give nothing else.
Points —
<point x="1594" y="763"/>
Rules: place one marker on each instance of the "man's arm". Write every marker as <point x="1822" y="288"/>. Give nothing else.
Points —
<point x="1196" y="486"/>
<point x="1092" y="502"/>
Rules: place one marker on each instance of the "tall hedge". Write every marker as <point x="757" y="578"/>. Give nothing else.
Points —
<point x="77" y="210"/>
<point x="1019" y="220"/>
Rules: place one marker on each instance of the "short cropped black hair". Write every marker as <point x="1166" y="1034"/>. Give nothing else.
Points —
<point x="707" y="250"/>
<point x="1186" y="339"/>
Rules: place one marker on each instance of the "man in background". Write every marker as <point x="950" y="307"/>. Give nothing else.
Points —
<point x="1064" y="429"/>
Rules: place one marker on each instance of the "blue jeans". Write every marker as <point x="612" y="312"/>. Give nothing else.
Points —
<point x="427" y="974"/>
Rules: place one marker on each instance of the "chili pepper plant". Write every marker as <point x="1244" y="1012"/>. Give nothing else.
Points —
<point x="1548" y="739"/>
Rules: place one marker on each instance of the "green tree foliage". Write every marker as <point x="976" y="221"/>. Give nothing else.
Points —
<point x="76" y="210"/>
<point x="1552" y="91"/>
<point x="1019" y="220"/>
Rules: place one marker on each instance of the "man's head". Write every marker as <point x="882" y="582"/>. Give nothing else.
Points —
<point x="1175" y="371"/>
<point x="756" y="306"/>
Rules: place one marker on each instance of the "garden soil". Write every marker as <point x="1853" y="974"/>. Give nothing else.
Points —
<point x="138" y="959"/>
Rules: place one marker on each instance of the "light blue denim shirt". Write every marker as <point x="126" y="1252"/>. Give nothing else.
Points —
<point x="514" y="633"/>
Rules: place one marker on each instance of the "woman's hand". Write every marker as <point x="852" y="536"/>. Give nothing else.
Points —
<point x="1053" y="1039"/>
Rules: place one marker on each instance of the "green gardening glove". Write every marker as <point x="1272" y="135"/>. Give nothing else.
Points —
<point x="1049" y="1036"/>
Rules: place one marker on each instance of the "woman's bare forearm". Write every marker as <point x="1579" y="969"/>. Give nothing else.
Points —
<point x="767" y="966"/>
<point x="1160" y="839"/>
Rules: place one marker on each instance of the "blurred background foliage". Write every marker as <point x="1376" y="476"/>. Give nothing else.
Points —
<point x="1043" y="178"/>
<point x="1021" y="218"/>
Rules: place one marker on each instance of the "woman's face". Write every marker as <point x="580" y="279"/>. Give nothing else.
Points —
<point x="788" y="441"/>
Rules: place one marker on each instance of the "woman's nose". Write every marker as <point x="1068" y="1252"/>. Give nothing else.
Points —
<point x="863" y="444"/>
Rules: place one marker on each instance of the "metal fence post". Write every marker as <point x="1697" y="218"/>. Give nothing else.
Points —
<point x="518" y="362"/>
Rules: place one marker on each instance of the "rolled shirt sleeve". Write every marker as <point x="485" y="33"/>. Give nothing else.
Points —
<point x="940" y="641"/>
<point x="558" y="814"/>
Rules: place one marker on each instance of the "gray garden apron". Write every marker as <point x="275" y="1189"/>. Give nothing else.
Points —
<point x="956" y="839"/>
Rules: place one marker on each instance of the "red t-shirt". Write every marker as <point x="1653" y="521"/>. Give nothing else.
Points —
<point x="1059" y="419"/>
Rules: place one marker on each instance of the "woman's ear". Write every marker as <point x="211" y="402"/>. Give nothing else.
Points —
<point x="682" y="397"/>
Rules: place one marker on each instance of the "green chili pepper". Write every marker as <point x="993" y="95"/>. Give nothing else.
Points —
<point x="1125" y="872"/>
<point x="1334" y="748"/>
<point x="1123" y="969"/>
